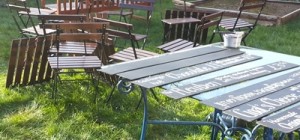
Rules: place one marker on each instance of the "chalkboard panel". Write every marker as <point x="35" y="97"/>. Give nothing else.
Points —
<point x="160" y="59"/>
<point x="263" y="106"/>
<point x="157" y="69"/>
<point x="238" y="97"/>
<point x="226" y="80"/>
<point x="185" y="73"/>
<point x="286" y="121"/>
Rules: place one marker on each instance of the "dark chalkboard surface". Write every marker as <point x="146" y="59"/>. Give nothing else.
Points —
<point x="265" y="105"/>
<point x="285" y="121"/>
<point x="160" y="68"/>
<point x="188" y="72"/>
<point x="226" y="80"/>
<point x="160" y="59"/>
<point x="238" y="97"/>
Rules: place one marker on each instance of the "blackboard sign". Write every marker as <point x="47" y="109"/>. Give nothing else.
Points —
<point x="173" y="65"/>
<point x="188" y="72"/>
<point x="263" y="106"/>
<point x="160" y="59"/>
<point x="285" y="121"/>
<point x="237" y="97"/>
<point x="226" y="80"/>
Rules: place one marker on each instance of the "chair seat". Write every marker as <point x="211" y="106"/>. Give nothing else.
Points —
<point x="74" y="62"/>
<point x="229" y="23"/>
<point x="39" y="30"/>
<point x="137" y="37"/>
<point x="127" y="54"/>
<point x="74" y="48"/>
<point x="176" y="45"/>
<point x="35" y="12"/>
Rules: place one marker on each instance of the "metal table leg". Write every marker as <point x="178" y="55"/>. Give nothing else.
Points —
<point x="145" y="117"/>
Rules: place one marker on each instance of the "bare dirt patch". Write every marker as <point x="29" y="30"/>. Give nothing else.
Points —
<point x="271" y="8"/>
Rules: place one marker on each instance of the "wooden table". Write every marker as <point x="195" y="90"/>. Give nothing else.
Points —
<point x="238" y="82"/>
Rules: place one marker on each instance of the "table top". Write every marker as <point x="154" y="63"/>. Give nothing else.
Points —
<point x="247" y="83"/>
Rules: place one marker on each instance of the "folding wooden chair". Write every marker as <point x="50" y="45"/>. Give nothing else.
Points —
<point x="238" y="24"/>
<point x="87" y="63"/>
<point x="68" y="47"/>
<point x="137" y="9"/>
<point x="207" y="21"/>
<point x="124" y="31"/>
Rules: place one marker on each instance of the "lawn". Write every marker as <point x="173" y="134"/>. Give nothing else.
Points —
<point x="30" y="113"/>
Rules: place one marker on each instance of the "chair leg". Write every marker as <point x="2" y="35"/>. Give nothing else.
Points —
<point x="55" y="81"/>
<point x="111" y="93"/>
<point x="96" y="89"/>
<point x="212" y="38"/>
<point x="154" y="95"/>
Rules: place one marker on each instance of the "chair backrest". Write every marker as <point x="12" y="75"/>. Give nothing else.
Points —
<point x="139" y="5"/>
<point x="22" y="18"/>
<point x="60" y="19"/>
<point x="88" y="32"/>
<point x="250" y="5"/>
<point x="206" y="22"/>
<point x="120" y="30"/>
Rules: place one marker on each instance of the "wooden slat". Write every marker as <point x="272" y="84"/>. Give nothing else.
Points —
<point x="29" y="61"/>
<point x="45" y="70"/>
<point x="173" y="65"/>
<point x="12" y="63"/>
<point x="158" y="60"/>
<point x="193" y="71"/>
<point x="20" y="60"/>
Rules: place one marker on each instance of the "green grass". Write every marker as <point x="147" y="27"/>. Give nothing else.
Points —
<point x="29" y="113"/>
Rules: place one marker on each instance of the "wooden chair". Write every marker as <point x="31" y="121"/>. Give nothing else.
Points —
<point x="33" y="11"/>
<point x="238" y="24"/>
<point x="180" y="24"/>
<point x="68" y="47"/>
<point x="137" y="9"/>
<point x="207" y="21"/>
<point x="87" y="63"/>
<point x="124" y="31"/>
<point x="25" y="23"/>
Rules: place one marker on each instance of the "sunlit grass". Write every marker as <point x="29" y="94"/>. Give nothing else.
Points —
<point x="30" y="113"/>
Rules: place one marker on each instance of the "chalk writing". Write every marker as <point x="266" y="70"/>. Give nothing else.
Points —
<point x="229" y="79"/>
<point x="192" y="71"/>
<point x="262" y="106"/>
<point x="241" y="96"/>
<point x="285" y="121"/>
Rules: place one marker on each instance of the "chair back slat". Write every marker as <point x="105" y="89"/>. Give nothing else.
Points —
<point x="206" y="22"/>
<point x="115" y="23"/>
<point x="18" y="8"/>
<point x="63" y="17"/>
<point x="76" y="26"/>
<point x="78" y="37"/>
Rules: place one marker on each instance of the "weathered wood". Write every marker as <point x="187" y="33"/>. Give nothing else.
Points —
<point x="177" y="24"/>
<point x="27" y="63"/>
